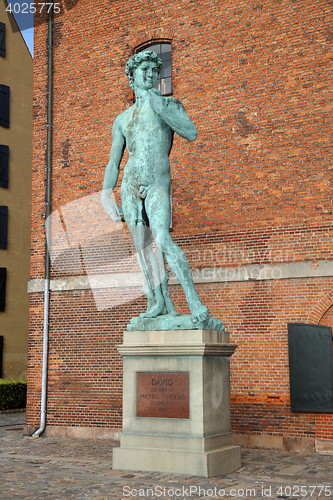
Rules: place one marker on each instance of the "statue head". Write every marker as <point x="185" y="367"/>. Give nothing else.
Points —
<point x="135" y="61"/>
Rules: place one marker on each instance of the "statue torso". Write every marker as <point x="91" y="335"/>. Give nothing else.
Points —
<point x="148" y="141"/>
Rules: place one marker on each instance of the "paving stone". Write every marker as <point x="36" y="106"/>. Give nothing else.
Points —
<point x="77" y="469"/>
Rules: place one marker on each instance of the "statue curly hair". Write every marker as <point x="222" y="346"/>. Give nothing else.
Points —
<point x="137" y="59"/>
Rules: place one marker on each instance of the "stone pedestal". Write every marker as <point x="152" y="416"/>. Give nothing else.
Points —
<point x="176" y="403"/>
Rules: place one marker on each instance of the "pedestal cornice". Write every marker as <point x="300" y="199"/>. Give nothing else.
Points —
<point x="177" y="343"/>
<point x="177" y="350"/>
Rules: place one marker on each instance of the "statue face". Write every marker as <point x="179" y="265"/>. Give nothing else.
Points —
<point x="145" y="75"/>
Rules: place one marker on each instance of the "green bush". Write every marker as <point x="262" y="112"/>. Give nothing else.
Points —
<point x="13" y="394"/>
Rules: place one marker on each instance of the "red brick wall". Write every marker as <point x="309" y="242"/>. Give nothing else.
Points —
<point x="85" y="378"/>
<point x="255" y="187"/>
<point x="327" y="319"/>
<point x="324" y="426"/>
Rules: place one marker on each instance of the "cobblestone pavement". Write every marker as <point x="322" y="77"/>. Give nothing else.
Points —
<point x="59" y="469"/>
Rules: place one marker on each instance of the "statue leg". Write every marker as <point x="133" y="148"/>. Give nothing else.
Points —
<point x="179" y="266"/>
<point x="158" y="211"/>
<point x="132" y="207"/>
<point x="151" y="269"/>
<point x="151" y="263"/>
<point x="170" y="306"/>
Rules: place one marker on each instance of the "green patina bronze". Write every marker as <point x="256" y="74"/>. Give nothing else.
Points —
<point x="147" y="129"/>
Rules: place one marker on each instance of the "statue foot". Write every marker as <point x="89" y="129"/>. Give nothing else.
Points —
<point x="156" y="310"/>
<point x="199" y="313"/>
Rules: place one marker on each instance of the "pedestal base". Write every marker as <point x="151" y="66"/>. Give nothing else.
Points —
<point x="170" y="322"/>
<point x="176" y="415"/>
<point x="211" y="464"/>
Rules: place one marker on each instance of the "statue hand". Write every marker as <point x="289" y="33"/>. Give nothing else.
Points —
<point x="156" y="101"/>
<point x="112" y="209"/>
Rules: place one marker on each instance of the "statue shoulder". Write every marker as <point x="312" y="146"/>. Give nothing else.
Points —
<point x="118" y="123"/>
<point x="122" y="116"/>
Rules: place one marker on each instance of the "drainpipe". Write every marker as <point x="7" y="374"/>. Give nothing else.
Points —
<point x="47" y="227"/>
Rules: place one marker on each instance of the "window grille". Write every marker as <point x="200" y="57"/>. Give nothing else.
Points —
<point x="4" y="163"/>
<point x="163" y="50"/>
<point x="2" y="39"/>
<point x="3" y="273"/>
<point x="3" y="226"/>
<point x="4" y="105"/>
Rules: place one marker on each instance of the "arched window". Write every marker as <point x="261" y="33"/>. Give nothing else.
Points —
<point x="163" y="50"/>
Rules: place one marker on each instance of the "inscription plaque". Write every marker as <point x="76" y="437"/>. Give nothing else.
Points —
<point x="163" y="395"/>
